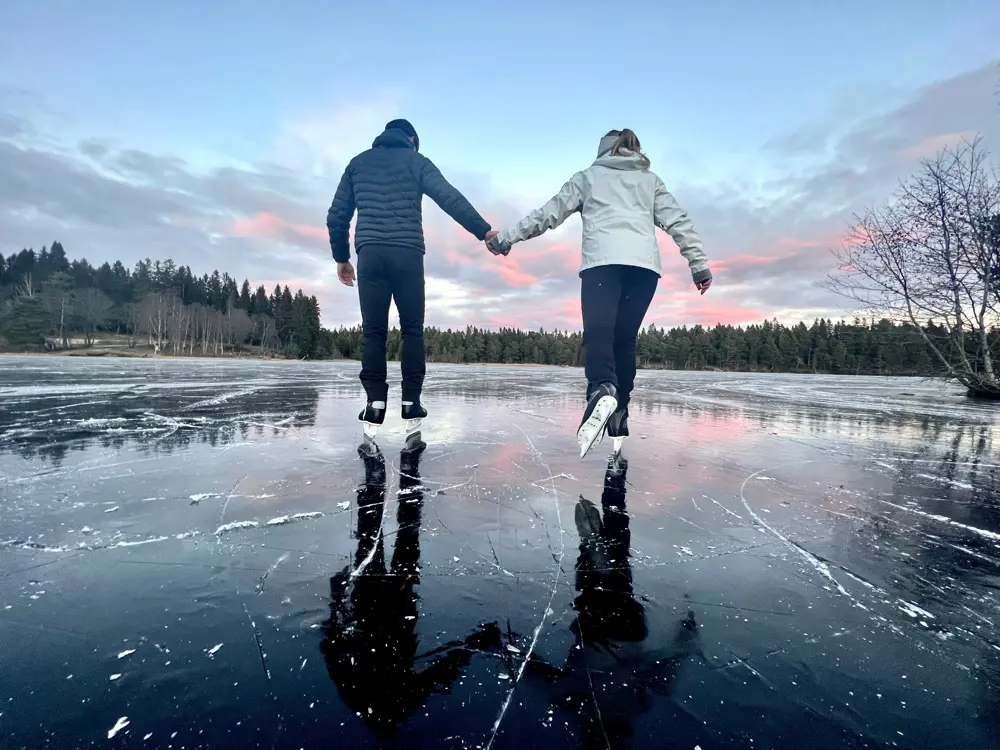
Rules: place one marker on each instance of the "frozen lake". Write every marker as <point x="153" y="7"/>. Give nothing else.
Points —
<point x="193" y="554"/>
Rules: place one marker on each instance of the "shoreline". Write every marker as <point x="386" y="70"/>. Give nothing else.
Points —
<point x="84" y="353"/>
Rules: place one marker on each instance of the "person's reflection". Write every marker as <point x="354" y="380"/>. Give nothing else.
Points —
<point x="370" y="641"/>
<point x="612" y="669"/>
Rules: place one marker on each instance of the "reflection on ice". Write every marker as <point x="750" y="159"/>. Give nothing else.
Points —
<point x="779" y="561"/>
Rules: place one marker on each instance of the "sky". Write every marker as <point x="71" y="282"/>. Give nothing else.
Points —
<point x="215" y="133"/>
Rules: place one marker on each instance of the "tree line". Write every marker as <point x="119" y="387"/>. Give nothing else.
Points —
<point x="46" y="300"/>
<point x="860" y="347"/>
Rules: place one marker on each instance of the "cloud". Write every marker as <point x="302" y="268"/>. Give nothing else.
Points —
<point x="268" y="225"/>
<point x="768" y="238"/>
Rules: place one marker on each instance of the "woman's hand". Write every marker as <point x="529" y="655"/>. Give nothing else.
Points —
<point x="494" y="246"/>
<point x="703" y="286"/>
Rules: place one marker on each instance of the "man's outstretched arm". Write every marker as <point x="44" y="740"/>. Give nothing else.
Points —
<point x="338" y="218"/>
<point x="452" y="202"/>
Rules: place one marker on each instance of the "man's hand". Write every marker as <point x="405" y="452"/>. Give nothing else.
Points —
<point x="703" y="286"/>
<point x="345" y="272"/>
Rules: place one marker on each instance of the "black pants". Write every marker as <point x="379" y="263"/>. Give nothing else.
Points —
<point x="615" y="300"/>
<point x="387" y="273"/>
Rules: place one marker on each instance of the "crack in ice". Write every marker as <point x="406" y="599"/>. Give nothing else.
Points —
<point x="548" y="607"/>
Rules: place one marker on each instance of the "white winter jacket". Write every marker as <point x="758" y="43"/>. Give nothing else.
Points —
<point x="621" y="203"/>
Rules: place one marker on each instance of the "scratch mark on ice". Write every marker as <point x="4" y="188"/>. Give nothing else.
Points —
<point x="260" y="647"/>
<point x="260" y="583"/>
<point x="944" y="519"/>
<point x="818" y="564"/>
<point x="734" y="515"/>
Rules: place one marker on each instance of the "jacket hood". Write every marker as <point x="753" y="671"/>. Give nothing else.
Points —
<point x="605" y="146"/>
<point x="625" y="159"/>
<point x="393" y="138"/>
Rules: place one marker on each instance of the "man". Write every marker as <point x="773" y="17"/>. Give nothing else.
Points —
<point x="386" y="184"/>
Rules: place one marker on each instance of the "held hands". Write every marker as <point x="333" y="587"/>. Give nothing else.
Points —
<point x="494" y="245"/>
<point x="345" y="272"/>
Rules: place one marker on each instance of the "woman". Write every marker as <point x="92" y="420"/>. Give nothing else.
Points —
<point x="621" y="202"/>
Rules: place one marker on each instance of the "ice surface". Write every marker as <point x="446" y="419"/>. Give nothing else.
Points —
<point x="782" y="561"/>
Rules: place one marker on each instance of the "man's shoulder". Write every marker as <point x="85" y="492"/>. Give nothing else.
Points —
<point x="360" y="158"/>
<point x="383" y="156"/>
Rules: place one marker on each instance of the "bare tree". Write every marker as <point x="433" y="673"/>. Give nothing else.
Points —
<point x="240" y="326"/>
<point x="134" y="311"/>
<point x="94" y="308"/>
<point x="933" y="256"/>
<point x="266" y="325"/>
<point x="58" y="297"/>
<point x="155" y="320"/>
<point x="179" y="326"/>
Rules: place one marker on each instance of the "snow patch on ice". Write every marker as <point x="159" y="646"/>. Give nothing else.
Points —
<point x="218" y="400"/>
<point x="233" y="525"/>
<point x="945" y="480"/>
<point x="119" y="726"/>
<point x="195" y="499"/>
<point x="282" y="520"/>
<point x="139" y="543"/>
<point x="913" y="610"/>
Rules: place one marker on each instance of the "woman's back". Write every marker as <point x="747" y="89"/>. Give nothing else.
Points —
<point x="621" y="203"/>
<point x="617" y="208"/>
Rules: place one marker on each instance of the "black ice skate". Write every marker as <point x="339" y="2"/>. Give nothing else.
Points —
<point x="601" y="405"/>
<point x="372" y="418"/>
<point x="413" y="416"/>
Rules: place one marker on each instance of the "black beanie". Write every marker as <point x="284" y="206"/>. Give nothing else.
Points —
<point x="407" y="128"/>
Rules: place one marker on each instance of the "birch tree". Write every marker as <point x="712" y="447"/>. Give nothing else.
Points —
<point x="932" y="255"/>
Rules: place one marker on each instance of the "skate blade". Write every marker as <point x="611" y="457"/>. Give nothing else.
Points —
<point x="617" y="446"/>
<point x="593" y="428"/>
<point x="413" y="425"/>
<point x="370" y="429"/>
<point x="368" y="448"/>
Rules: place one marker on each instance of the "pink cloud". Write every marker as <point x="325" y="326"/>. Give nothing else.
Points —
<point x="563" y="314"/>
<point x="514" y="276"/>
<point x="929" y="147"/>
<point x="268" y="225"/>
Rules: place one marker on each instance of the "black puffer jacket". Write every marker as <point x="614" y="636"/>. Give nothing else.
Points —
<point x="386" y="184"/>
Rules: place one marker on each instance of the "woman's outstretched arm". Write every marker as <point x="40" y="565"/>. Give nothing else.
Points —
<point x="556" y="210"/>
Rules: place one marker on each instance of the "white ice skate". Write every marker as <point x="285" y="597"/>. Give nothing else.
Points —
<point x="413" y="417"/>
<point x="603" y="403"/>
<point x="372" y="418"/>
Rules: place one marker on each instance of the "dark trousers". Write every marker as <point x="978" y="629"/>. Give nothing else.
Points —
<point x="387" y="273"/>
<point x="614" y="300"/>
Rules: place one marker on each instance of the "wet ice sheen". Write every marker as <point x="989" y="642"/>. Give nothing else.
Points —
<point x="785" y="561"/>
